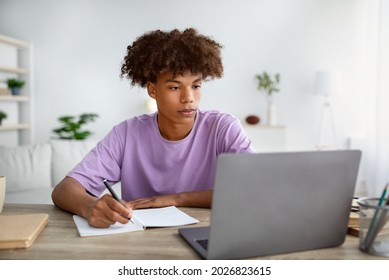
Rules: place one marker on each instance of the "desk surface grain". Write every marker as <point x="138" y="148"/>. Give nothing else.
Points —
<point x="59" y="240"/>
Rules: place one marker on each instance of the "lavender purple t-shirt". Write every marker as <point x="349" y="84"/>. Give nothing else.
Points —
<point x="135" y="153"/>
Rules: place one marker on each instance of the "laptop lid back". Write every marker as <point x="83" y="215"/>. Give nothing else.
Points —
<point x="273" y="203"/>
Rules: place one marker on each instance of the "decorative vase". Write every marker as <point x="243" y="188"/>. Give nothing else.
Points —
<point x="271" y="113"/>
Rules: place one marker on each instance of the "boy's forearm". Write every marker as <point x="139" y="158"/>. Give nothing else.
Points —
<point x="201" y="199"/>
<point x="195" y="199"/>
<point x="71" y="196"/>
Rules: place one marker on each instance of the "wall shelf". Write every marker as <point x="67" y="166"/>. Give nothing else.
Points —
<point x="260" y="126"/>
<point x="14" y="98"/>
<point x="8" y="127"/>
<point x="16" y="62"/>
<point x="20" y="71"/>
<point x="14" y="42"/>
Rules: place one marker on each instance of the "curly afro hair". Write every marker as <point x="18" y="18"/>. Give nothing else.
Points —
<point x="157" y="52"/>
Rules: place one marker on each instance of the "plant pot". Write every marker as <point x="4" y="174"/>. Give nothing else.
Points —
<point x="15" y="91"/>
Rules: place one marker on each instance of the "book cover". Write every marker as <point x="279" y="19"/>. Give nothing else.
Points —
<point x="20" y="231"/>
<point x="354" y="219"/>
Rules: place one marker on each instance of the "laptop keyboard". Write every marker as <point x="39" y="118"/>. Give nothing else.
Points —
<point x="203" y="243"/>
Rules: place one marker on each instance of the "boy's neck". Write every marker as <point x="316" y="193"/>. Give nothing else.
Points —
<point x="174" y="131"/>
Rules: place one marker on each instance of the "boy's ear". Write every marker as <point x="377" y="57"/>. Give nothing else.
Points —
<point x="150" y="89"/>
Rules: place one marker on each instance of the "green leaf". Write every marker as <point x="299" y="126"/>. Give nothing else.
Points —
<point x="71" y="126"/>
<point x="267" y="83"/>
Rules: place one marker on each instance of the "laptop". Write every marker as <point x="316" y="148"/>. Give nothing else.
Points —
<point x="272" y="203"/>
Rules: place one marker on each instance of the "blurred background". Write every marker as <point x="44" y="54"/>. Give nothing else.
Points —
<point x="78" y="48"/>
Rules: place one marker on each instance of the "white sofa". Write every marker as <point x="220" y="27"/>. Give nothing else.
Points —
<point x="33" y="170"/>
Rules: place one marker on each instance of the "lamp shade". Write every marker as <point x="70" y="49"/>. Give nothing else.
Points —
<point x="326" y="83"/>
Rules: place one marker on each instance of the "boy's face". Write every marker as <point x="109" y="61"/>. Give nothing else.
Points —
<point x="177" y="97"/>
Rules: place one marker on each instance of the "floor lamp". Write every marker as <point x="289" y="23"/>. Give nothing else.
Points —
<point x="326" y="85"/>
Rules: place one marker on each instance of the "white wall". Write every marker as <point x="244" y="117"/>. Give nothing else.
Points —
<point x="79" y="46"/>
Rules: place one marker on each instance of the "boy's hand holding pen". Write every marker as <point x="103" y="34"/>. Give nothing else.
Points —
<point x="114" y="195"/>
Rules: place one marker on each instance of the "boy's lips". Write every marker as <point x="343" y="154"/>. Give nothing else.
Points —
<point x="187" y="112"/>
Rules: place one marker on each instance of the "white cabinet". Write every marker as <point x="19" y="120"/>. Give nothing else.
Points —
<point x="16" y="62"/>
<point x="267" y="138"/>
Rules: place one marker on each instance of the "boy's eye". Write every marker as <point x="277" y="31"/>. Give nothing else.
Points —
<point x="174" y="88"/>
<point x="197" y="86"/>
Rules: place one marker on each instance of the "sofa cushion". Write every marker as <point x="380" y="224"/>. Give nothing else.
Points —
<point x="26" y="167"/>
<point x="66" y="154"/>
<point x="36" y="196"/>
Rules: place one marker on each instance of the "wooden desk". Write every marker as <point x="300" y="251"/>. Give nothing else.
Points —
<point x="60" y="241"/>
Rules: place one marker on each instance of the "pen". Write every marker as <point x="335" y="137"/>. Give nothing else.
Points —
<point x="387" y="199"/>
<point x="384" y="218"/>
<point x="382" y="199"/>
<point x="373" y="228"/>
<point x="114" y="195"/>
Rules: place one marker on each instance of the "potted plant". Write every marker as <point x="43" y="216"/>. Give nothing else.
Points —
<point x="15" y="85"/>
<point x="269" y="85"/>
<point x="71" y="126"/>
<point x="3" y="115"/>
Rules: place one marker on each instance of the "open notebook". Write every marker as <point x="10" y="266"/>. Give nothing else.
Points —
<point x="142" y="218"/>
